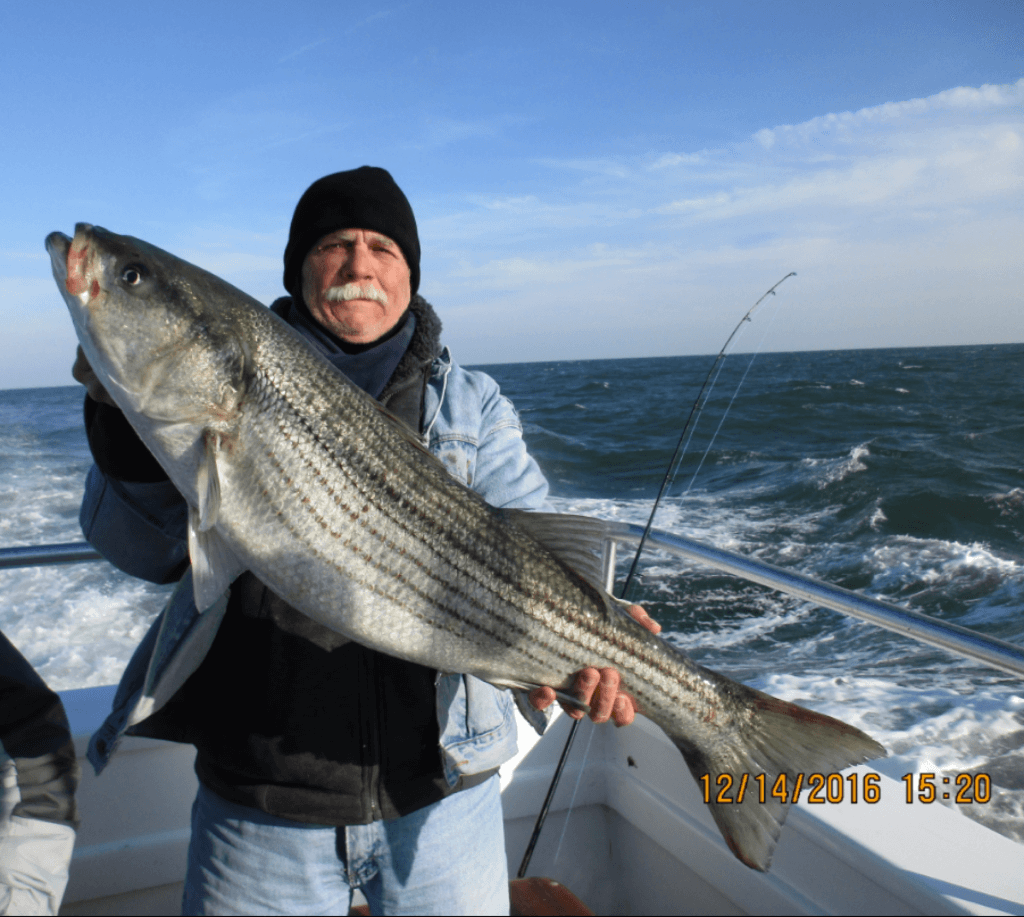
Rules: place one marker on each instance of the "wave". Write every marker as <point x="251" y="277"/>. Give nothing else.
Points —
<point x="835" y="470"/>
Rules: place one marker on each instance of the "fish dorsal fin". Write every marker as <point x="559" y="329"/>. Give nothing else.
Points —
<point x="575" y="540"/>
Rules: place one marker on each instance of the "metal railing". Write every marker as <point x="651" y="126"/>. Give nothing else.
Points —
<point x="42" y="555"/>
<point x="920" y="627"/>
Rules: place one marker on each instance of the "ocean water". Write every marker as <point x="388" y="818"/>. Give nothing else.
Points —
<point x="896" y="472"/>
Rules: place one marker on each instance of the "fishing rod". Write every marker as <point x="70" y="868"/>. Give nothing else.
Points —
<point x="698" y="406"/>
<point x="670" y="473"/>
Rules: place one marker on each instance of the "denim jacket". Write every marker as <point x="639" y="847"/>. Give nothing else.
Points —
<point x="141" y="528"/>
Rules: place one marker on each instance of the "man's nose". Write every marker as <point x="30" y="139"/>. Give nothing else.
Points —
<point x="358" y="262"/>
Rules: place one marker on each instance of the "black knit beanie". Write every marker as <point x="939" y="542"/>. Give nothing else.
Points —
<point x="363" y="198"/>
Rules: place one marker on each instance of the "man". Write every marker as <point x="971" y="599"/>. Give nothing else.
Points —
<point x="324" y="765"/>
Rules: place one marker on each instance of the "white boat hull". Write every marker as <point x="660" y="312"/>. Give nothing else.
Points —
<point x="639" y="840"/>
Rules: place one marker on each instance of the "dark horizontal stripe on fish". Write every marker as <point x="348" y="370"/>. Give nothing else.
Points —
<point x="452" y="612"/>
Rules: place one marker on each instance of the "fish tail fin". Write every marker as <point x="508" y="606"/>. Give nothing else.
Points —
<point x="778" y="738"/>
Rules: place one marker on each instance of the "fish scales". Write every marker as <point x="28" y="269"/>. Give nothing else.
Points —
<point x="475" y="580"/>
<point x="480" y="543"/>
<point x="293" y="473"/>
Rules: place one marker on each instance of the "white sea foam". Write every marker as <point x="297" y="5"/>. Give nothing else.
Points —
<point x="1010" y="503"/>
<point x="928" y="563"/>
<point x="78" y="625"/>
<point x="833" y="470"/>
<point x="735" y="633"/>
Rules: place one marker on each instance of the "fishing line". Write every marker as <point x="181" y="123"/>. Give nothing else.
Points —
<point x="725" y="413"/>
<point x="680" y="455"/>
<point x="575" y="789"/>
<point x="670" y="473"/>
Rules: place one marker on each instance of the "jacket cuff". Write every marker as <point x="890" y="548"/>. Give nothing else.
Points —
<point x="141" y="528"/>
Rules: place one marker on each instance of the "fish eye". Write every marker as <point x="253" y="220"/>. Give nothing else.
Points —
<point x="132" y="275"/>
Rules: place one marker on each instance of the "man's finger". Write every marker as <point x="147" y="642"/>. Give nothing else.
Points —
<point x="642" y="617"/>
<point x="625" y="710"/>
<point x="541" y="698"/>
<point x="587" y="681"/>
<point x="602" y="702"/>
<point x="82" y="372"/>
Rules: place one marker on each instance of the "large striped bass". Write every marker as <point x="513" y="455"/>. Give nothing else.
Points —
<point x="292" y="472"/>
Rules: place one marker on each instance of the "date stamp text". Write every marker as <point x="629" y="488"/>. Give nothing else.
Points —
<point x="726" y="789"/>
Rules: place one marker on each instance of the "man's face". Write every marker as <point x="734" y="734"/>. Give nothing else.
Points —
<point x="356" y="284"/>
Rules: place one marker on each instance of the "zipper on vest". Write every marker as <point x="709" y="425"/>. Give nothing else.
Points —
<point x="370" y="734"/>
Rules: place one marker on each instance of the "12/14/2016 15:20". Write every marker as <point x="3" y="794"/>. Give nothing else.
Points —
<point x="830" y="788"/>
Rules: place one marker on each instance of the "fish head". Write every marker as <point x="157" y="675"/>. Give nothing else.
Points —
<point x="155" y="329"/>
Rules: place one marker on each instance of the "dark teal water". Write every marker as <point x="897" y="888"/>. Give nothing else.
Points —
<point x="856" y="466"/>
<point x="895" y="472"/>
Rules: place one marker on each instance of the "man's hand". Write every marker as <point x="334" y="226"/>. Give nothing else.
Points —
<point x="83" y="373"/>
<point x="600" y="688"/>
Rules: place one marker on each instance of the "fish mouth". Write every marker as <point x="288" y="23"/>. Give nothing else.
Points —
<point x="71" y="261"/>
<point x="58" y="244"/>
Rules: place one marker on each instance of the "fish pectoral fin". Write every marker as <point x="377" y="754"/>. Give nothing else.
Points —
<point x="538" y="719"/>
<point x="528" y="686"/>
<point x="208" y="483"/>
<point x="577" y="541"/>
<point x="214" y="564"/>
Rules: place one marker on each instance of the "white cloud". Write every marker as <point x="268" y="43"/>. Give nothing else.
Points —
<point x="305" y="49"/>
<point x="845" y="125"/>
<point x="896" y="159"/>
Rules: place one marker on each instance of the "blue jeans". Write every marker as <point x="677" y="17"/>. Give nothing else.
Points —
<point x="446" y="858"/>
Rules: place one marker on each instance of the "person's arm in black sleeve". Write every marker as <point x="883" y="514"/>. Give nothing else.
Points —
<point x="131" y="512"/>
<point x="38" y="814"/>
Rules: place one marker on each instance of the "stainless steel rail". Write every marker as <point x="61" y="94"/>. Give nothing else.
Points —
<point x="44" y="554"/>
<point x="950" y="637"/>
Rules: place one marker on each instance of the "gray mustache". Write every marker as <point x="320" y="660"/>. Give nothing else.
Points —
<point x="355" y="291"/>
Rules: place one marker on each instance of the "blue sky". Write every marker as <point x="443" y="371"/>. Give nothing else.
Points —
<point x="590" y="179"/>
